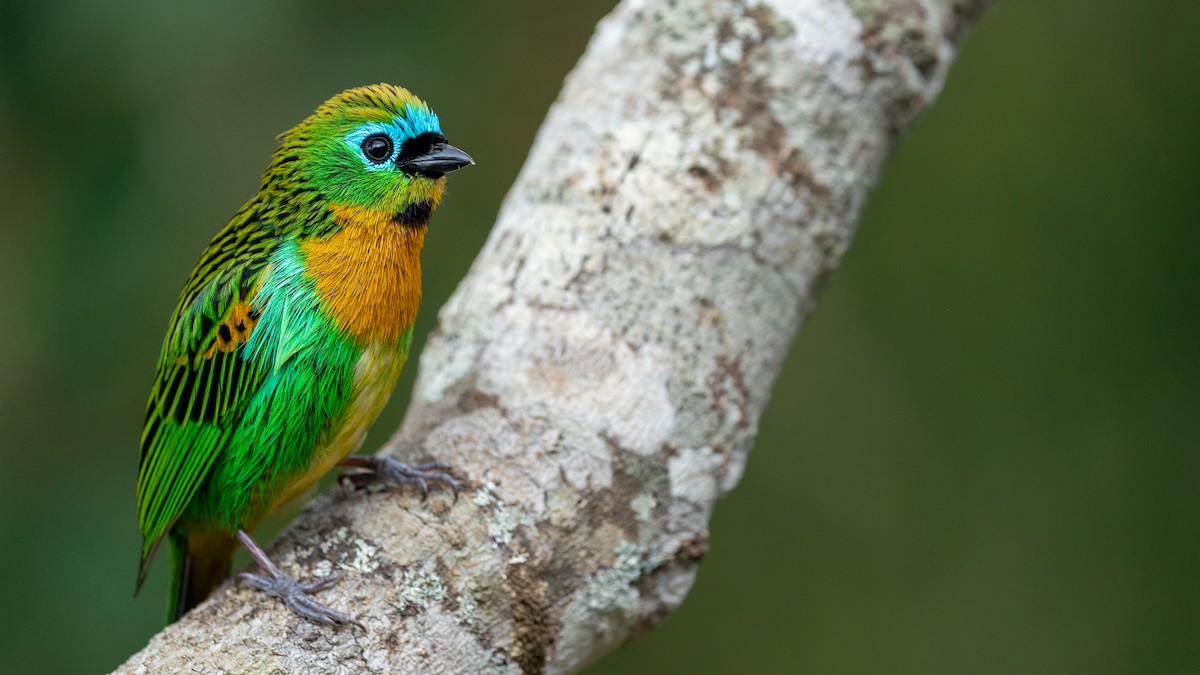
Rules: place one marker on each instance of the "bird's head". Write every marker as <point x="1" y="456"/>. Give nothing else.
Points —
<point x="378" y="148"/>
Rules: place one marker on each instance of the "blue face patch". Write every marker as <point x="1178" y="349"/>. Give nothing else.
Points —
<point x="417" y="120"/>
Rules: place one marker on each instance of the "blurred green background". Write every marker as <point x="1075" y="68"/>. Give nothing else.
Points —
<point x="982" y="455"/>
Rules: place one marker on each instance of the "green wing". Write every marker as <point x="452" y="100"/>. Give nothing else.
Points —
<point x="204" y="376"/>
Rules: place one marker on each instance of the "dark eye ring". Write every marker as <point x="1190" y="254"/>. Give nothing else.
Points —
<point x="377" y="148"/>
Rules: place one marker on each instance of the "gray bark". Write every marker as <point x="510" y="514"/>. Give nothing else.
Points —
<point x="599" y="374"/>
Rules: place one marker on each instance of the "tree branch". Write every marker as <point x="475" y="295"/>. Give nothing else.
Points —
<point x="600" y="372"/>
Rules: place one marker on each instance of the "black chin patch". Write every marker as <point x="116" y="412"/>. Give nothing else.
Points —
<point x="417" y="213"/>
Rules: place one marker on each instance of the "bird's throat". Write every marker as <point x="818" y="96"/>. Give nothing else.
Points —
<point x="368" y="273"/>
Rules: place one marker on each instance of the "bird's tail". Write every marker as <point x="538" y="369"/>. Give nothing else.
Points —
<point x="199" y="563"/>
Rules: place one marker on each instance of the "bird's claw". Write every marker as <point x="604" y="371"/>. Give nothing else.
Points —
<point x="394" y="472"/>
<point x="296" y="596"/>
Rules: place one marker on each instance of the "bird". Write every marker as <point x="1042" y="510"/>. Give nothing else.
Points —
<point x="287" y="341"/>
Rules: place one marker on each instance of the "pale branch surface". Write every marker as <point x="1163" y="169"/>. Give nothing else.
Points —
<point x="599" y="374"/>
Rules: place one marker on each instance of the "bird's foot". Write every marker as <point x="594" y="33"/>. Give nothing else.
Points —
<point x="388" y="470"/>
<point x="293" y="593"/>
<point x="297" y="595"/>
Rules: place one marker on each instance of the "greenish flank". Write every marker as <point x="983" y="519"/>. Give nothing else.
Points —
<point x="310" y="374"/>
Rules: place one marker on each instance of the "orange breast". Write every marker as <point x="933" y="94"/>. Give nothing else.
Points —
<point x="368" y="273"/>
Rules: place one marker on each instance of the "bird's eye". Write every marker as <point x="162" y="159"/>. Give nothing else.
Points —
<point x="377" y="148"/>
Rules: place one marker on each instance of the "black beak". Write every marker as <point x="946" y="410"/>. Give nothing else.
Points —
<point x="441" y="159"/>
